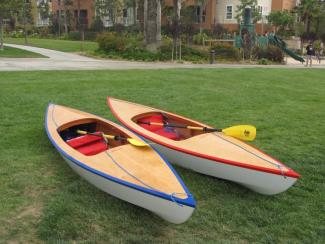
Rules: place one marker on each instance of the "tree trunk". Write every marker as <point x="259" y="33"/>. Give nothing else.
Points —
<point x="135" y="13"/>
<point x="65" y="18"/>
<point x="1" y="34"/>
<point x="152" y="24"/>
<point x="201" y="17"/>
<point x="308" y="24"/>
<point x="78" y="16"/>
<point x="59" y="18"/>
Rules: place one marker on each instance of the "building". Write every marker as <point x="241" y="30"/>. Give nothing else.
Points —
<point x="278" y="5"/>
<point x="213" y="12"/>
<point x="86" y="8"/>
<point x="224" y="12"/>
<point x="88" y="14"/>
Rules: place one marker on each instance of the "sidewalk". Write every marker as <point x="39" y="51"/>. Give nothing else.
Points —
<point x="68" y="61"/>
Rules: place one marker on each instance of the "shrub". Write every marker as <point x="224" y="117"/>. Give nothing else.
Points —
<point x="225" y="51"/>
<point x="76" y="35"/>
<point x="322" y="37"/>
<point x="97" y="25"/>
<point x="270" y="52"/>
<point x="110" y="41"/>
<point x="199" y="38"/>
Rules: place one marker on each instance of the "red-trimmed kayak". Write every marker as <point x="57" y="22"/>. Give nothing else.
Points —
<point x="208" y="153"/>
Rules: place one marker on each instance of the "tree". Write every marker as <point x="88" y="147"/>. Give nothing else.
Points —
<point x="44" y="9"/>
<point x="308" y="11"/>
<point x="201" y="4"/>
<point x="8" y="8"/>
<point x="134" y="5"/>
<point x="152" y="24"/>
<point x="256" y="13"/>
<point x="111" y="8"/>
<point x="66" y="16"/>
<point x="282" y="20"/>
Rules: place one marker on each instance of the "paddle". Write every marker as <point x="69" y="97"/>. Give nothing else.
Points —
<point x="243" y="132"/>
<point x="132" y="141"/>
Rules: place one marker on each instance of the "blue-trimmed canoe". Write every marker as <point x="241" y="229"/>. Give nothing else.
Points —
<point x="138" y="175"/>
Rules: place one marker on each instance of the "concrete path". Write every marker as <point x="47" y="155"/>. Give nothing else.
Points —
<point x="68" y="61"/>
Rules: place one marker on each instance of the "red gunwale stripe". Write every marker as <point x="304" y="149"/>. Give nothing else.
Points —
<point x="289" y="173"/>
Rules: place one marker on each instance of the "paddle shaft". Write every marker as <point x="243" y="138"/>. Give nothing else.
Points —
<point x="183" y="126"/>
<point x="117" y="138"/>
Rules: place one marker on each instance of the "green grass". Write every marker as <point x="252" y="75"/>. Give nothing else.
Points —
<point x="10" y="52"/>
<point x="42" y="199"/>
<point x="59" y="45"/>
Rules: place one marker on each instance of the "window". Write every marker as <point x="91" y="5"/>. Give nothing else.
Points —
<point x="198" y="12"/>
<point x="229" y="12"/>
<point x="260" y="9"/>
<point x="125" y="13"/>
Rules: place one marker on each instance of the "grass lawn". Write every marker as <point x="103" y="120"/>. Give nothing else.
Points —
<point x="10" y="52"/>
<point x="60" y="45"/>
<point x="42" y="199"/>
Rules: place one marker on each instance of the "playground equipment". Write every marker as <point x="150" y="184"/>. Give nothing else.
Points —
<point x="247" y="38"/>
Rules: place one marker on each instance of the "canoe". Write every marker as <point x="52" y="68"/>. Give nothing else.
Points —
<point x="213" y="154"/>
<point x="138" y="175"/>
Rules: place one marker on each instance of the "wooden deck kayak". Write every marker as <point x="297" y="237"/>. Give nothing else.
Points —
<point x="209" y="153"/>
<point x="134" y="174"/>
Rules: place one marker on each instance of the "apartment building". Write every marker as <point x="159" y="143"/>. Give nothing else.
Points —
<point x="278" y="5"/>
<point x="86" y="8"/>
<point x="88" y="13"/>
<point x="224" y="12"/>
<point x="213" y="12"/>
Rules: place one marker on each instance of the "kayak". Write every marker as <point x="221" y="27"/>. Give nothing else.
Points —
<point x="106" y="155"/>
<point x="210" y="153"/>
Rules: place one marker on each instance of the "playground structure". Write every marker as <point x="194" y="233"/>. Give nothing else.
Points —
<point x="247" y="38"/>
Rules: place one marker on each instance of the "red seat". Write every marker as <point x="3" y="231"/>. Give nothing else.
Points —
<point x="154" y="118"/>
<point x="168" y="134"/>
<point x="88" y="144"/>
<point x="158" y="129"/>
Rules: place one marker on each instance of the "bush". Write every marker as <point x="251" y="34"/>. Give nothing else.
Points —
<point x="270" y="52"/>
<point x="76" y="35"/>
<point x="199" y="38"/>
<point x="97" y="25"/>
<point x="111" y="41"/>
<point x="226" y="51"/>
<point x="322" y="37"/>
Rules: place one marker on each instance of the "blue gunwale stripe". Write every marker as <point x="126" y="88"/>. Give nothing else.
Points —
<point x="189" y="201"/>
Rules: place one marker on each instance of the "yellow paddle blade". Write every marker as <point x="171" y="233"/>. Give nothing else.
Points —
<point x="242" y="132"/>
<point x="137" y="143"/>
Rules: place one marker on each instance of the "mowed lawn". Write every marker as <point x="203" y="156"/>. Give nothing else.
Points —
<point x="59" y="45"/>
<point x="10" y="52"/>
<point x="42" y="199"/>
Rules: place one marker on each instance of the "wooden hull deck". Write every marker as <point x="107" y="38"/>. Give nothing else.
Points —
<point x="134" y="174"/>
<point x="213" y="154"/>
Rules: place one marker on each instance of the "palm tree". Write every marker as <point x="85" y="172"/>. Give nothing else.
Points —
<point x="152" y="24"/>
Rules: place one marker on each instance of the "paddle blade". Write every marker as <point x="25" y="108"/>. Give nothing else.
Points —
<point x="137" y="143"/>
<point x="242" y="132"/>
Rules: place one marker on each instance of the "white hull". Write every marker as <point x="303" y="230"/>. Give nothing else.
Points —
<point x="166" y="209"/>
<point x="258" y="181"/>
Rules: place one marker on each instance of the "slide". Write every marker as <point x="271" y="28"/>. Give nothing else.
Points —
<point x="273" y="39"/>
